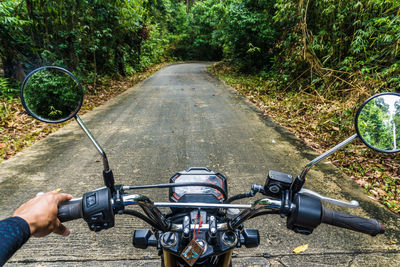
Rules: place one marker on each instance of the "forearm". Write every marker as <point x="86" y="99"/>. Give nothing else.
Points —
<point x="14" y="232"/>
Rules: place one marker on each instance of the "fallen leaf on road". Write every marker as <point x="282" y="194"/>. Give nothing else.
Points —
<point x="300" y="249"/>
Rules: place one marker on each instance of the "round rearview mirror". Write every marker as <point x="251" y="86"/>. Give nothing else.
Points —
<point x="51" y="94"/>
<point x="378" y="122"/>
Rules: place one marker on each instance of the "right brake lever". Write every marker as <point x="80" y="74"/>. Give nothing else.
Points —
<point x="351" y="204"/>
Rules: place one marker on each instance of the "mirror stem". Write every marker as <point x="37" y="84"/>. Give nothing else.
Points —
<point x="326" y="154"/>
<point x="98" y="147"/>
<point x="107" y="172"/>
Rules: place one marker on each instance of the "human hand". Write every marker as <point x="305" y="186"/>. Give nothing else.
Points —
<point x="41" y="214"/>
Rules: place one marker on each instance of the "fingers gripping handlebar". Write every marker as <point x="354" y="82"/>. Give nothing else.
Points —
<point x="71" y="210"/>
<point x="95" y="207"/>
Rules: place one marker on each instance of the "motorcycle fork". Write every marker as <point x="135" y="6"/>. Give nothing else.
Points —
<point x="170" y="260"/>
<point x="227" y="258"/>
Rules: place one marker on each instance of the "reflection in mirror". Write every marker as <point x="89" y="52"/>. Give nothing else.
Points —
<point x="378" y="122"/>
<point x="51" y="94"/>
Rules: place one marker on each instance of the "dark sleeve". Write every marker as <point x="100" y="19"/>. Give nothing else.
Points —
<point x="14" y="232"/>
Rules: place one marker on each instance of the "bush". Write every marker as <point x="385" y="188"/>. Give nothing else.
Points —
<point x="248" y="34"/>
<point x="6" y="91"/>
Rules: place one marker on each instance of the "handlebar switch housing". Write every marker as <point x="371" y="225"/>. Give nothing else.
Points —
<point x="276" y="183"/>
<point x="97" y="209"/>
<point x="306" y="214"/>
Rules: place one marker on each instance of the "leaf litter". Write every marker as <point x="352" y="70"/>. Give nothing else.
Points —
<point x="323" y="123"/>
<point x="18" y="130"/>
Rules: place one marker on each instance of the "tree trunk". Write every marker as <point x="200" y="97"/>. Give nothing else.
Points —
<point x="8" y="67"/>
<point x="13" y="70"/>
<point x="71" y="47"/>
<point x="19" y="72"/>
<point x="31" y="16"/>
<point x="119" y="60"/>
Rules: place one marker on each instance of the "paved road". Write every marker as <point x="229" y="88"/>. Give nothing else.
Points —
<point x="180" y="117"/>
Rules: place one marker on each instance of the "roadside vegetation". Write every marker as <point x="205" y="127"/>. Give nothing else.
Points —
<point x="323" y="123"/>
<point x="19" y="130"/>
<point x="308" y="64"/>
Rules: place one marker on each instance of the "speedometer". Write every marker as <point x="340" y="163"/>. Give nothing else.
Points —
<point x="198" y="193"/>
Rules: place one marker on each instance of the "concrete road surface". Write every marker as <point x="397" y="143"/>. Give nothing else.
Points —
<point x="181" y="117"/>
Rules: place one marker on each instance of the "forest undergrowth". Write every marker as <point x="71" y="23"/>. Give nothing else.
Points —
<point x="322" y="122"/>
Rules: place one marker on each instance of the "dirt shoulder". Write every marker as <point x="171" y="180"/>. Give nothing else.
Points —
<point x="322" y="123"/>
<point x="18" y="130"/>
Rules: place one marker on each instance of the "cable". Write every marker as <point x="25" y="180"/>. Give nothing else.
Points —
<point x="143" y="217"/>
<point x="264" y="213"/>
<point x="239" y="196"/>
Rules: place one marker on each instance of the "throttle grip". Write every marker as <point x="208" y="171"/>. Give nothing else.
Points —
<point x="352" y="222"/>
<point x="71" y="210"/>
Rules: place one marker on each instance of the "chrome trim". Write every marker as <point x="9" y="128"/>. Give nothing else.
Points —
<point x="229" y="244"/>
<point x="351" y="204"/>
<point x="265" y="203"/>
<point x="326" y="154"/>
<point x="133" y="199"/>
<point x="166" y="245"/>
<point x="201" y="205"/>
<point x="98" y="147"/>
<point x="204" y="226"/>
<point x="151" y="210"/>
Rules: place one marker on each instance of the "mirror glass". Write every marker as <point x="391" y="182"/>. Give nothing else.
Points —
<point x="51" y="94"/>
<point x="378" y="122"/>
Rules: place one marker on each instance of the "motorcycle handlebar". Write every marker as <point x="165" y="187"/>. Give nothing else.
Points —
<point x="352" y="222"/>
<point x="71" y="210"/>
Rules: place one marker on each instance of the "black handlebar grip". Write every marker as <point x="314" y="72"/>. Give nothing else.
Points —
<point x="352" y="222"/>
<point x="71" y="210"/>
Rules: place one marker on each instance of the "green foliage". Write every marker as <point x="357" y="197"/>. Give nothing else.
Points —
<point x="331" y="39"/>
<point x="154" y="49"/>
<point x="203" y="35"/>
<point x="248" y="34"/>
<point x="6" y="91"/>
<point x="91" y="37"/>
<point x="196" y="37"/>
<point x="377" y="122"/>
<point x="281" y="40"/>
<point x="237" y="31"/>
<point x="52" y="95"/>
